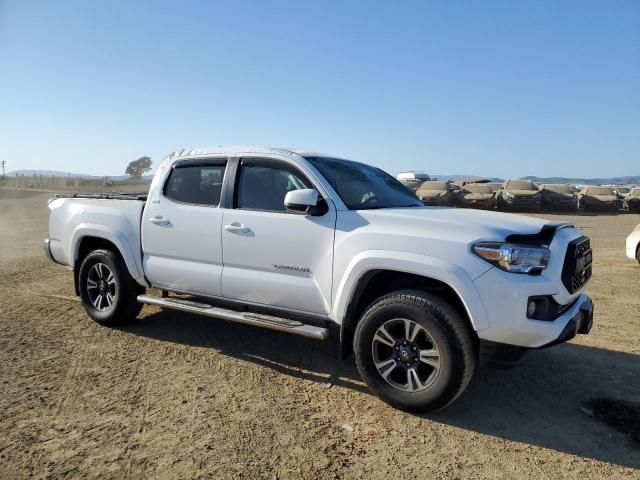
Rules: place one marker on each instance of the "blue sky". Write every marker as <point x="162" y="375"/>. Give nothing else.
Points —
<point x="495" y="88"/>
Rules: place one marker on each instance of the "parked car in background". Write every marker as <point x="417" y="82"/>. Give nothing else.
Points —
<point x="598" y="198"/>
<point x="633" y="244"/>
<point x="632" y="200"/>
<point x="436" y="193"/>
<point x="519" y="195"/>
<point x="558" y="197"/>
<point x="413" y="180"/>
<point x="467" y="181"/>
<point x="476" y="195"/>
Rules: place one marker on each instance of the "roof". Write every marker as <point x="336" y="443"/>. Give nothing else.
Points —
<point x="189" y="152"/>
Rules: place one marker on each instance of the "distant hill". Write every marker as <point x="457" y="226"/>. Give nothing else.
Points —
<point x="630" y="180"/>
<point x="57" y="173"/>
<point x="466" y="177"/>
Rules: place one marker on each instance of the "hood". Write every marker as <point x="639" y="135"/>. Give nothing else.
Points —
<point x="523" y="193"/>
<point x="461" y="225"/>
<point x="431" y="193"/>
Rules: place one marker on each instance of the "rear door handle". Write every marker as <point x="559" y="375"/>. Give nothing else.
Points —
<point x="159" y="220"/>
<point x="237" y="228"/>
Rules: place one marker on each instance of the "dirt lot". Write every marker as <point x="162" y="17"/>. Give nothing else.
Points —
<point x="178" y="396"/>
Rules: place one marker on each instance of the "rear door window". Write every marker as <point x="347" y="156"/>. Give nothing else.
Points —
<point x="195" y="184"/>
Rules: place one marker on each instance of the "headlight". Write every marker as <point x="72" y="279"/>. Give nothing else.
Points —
<point x="514" y="258"/>
<point x="509" y="195"/>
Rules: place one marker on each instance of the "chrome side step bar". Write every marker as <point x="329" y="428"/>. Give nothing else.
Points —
<point x="248" y="318"/>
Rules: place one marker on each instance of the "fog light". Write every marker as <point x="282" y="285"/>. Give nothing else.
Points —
<point x="531" y="308"/>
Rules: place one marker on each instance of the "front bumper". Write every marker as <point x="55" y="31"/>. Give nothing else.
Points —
<point x="518" y="203"/>
<point x="562" y="204"/>
<point x="505" y="297"/>
<point x="496" y="354"/>
<point x="478" y="203"/>
<point x="580" y="323"/>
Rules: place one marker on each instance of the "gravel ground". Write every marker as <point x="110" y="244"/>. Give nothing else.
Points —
<point x="179" y="396"/>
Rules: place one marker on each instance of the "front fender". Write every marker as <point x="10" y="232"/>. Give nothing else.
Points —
<point x="426" y="266"/>
<point x="125" y="245"/>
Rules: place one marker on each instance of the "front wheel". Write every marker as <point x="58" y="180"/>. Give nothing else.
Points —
<point x="107" y="292"/>
<point x="414" y="351"/>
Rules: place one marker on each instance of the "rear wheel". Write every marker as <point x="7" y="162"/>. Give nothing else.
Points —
<point x="414" y="351"/>
<point x="107" y="292"/>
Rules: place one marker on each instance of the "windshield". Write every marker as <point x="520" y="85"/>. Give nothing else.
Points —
<point x="559" y="188"/>
<point x="478" y="188"/>
<point x="363" y="187"/>
<point x="520" y="185"/>
<point x="635" y="192"/>
<point x="599" y="191"/>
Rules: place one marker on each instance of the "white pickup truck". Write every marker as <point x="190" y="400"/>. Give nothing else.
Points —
<point x="310" y="244"/>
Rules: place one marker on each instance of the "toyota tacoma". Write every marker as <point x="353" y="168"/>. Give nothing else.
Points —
<point x="328" y="248"/>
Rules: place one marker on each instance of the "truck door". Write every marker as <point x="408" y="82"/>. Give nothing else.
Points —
<point x="181" y="226"/>
<point x="272" y="256"/>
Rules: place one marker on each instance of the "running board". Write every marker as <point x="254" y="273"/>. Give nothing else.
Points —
<point x="248" y="318"/>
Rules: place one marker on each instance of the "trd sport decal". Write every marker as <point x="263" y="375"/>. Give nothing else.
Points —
<point x="295" y="269"/>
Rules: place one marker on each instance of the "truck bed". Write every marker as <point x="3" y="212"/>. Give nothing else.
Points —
<point x="76" y="216"/>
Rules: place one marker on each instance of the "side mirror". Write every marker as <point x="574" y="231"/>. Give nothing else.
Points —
<point x="305" y="201"/>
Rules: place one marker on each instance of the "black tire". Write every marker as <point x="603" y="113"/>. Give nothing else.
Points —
<point x="638" y="254"/>
<point x="449" y="331"/>
<point x="125" y="290"/>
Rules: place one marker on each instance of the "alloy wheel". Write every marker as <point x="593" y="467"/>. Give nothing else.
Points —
<point x="406" y="355"/>
<point x="101" y="287"/>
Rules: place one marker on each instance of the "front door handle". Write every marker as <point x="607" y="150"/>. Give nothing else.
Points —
<point x="236" y="227"/>
<point x="159" y="220"/>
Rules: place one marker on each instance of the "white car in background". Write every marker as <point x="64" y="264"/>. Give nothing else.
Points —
<point x="633" y="244"/>
<point x="413" y="180"/>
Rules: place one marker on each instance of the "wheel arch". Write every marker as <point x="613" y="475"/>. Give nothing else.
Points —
<point x="88" y="239"/>
<point x="367" y="280"/>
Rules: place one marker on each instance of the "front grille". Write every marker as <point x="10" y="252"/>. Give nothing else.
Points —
<point x="579" y="279"/>
<point x="583" y="246"/>
<point x="577" y="269"/>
